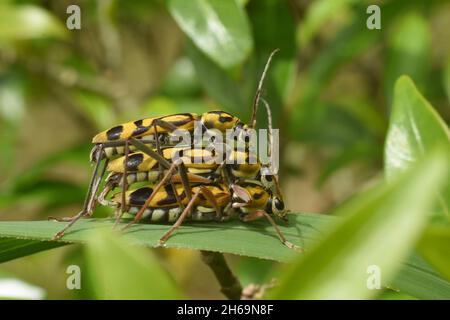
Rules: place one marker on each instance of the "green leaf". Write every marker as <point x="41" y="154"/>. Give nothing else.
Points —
<point x="13" y="248"/>
<point x="273" y="27"/>
<point x="28" y="22"/>
<point x="419" y="280"/>
<point x="319" y="13"/>
<point x="218" y="28"/>
<point x="33" y="185"/>
<point x="379" y="228"/>
<point x="95" y="107"/>
<point x="122" y="271"/>
<point x="259" y="237"/>
<point x="217" y="83"/>
<point x="446" y="77"/>
<point x="12" y="111"/>
<point x="349" y="42"/>
<point x="408" y="51"/>
<point x="415" y="129"/>
<point x="434" y="246"/>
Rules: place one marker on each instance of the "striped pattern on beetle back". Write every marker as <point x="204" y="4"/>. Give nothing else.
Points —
<point x="145" y="127"/>
<point x="219" y="120"/>
<point x="165" y="197"/>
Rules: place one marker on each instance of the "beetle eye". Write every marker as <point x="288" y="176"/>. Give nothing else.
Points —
<point x="277" y="205"/>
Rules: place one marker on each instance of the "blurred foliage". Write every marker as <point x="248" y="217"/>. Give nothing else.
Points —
<point x="331" y="90"/>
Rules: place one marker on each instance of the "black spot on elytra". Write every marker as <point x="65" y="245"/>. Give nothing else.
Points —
<point x="139" y="196"/>
<point x="134" y="160"/>
<point x="140" y="129"/>
<point x="180" y="153"/>
<point x="209" y="124"/>
<point x="258" y="196"/>
<point x="114" y="133"/>
<point x="187" y="117"/>
<point x="225" y="119"/>
<point x="170" y="198"/>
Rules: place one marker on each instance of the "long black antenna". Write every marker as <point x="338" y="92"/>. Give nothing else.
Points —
<point x="259" y="90"/>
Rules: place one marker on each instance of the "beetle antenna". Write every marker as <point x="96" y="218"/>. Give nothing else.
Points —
<point x="269" y="120"/>
<point x="269" y="124"/>
<point x="259" y="90"/>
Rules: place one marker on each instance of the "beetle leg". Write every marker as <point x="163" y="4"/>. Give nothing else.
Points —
<point x="202" y="190"/>
<point x="163" y="181"/>
<point x="124" y="185"/>
<point x="90" y="200"/>
<point x="257" y="214"/>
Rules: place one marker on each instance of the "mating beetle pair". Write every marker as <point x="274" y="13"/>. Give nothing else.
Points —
<point x="183" y="181"/>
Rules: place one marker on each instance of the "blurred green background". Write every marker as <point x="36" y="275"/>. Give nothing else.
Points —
<point x="330" y="89"/>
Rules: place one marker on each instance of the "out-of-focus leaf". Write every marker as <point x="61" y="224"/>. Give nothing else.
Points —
<point x="12" y="99"/>
<point x="360" y="141"/>
<point x="217" y="83"/>
<point x="12" y="110"/>
<point x="419" y="280"/>
<point x="11" y="248"/>
<point x="77" y="155"/>
<point x="219" y="28"/>
<point x="121" y="271"/>
<point x="157" y="105"/>
<point x="48" y="194"/>
<point x="256" y="271"/>
<point x="8" y="133"/>
<point x="273" y="28"/>
<point x="181" y="79"/>
<point x="435" y="247"/>
<point x="389" y="294"/>
<point x="446" y="77"/>
<point x="331" y="125"/>
<point x="379" y="228"/>
<point x="23" y="22"/>
<point x="359" y="151"/>
<point x="32" y="185"/>
<point x="350" y="42"/>
<point x="96" y="107"/>
<point x="408" y="51"/>
<point x="415" y="129"/>
<point x="319" y="13"/>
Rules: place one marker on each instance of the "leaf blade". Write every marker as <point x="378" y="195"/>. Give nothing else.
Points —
<point x="122" y="271"/>
<point x="415" y="129"/>
<point x="379" y="228"/>
<point x="219" y="28"/>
